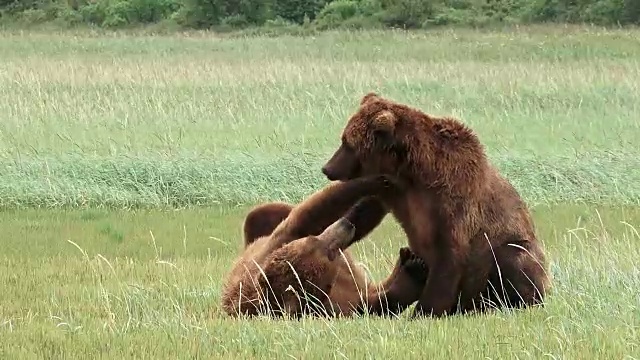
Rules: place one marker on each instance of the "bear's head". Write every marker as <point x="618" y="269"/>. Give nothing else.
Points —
<point x="312" y="254"/>
<point x="373" y="141"/>
<point x="327" y="245"/>
<point x="304" y="266"/>
<point x="388" y="138"/>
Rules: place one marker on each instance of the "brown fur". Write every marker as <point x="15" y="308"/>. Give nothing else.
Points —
<point x="460" y="215"/>
<point x="298" y="255"/>
<point x="263" y="219"/>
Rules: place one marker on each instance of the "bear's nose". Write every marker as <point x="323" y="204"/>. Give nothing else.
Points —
<point x="327" y="173"/>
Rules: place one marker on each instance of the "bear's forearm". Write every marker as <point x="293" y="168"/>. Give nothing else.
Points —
<point x="329" y="204"/>
<point x="366" y="215"/>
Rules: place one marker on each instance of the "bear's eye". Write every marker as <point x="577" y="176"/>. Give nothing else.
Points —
<point x="346" y="145"/>
<point x="389" y="143"/>
<point x="383" y="138"/>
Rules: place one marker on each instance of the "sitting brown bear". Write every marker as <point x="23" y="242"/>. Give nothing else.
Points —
<point x="464" y="219"/>
<point x="291" y="265"/>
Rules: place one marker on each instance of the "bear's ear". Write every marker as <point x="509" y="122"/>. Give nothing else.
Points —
<point x="447" y="131"/>
<point x="384" y="121"/>
<point x="383" y="126"/>
<point x="370" y="97"/>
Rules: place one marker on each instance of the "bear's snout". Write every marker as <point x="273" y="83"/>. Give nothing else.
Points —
<point x="343" y="165"/>
<point x="329" y="174"/>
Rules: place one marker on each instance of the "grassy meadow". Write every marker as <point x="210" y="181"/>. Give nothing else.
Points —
<point x="127" y="163"/>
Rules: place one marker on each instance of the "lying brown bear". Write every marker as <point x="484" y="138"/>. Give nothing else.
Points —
<point x="466" y="221"/>
<point x="291" y="264"/>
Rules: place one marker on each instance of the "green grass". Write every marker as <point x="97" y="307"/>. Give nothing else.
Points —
<point x="124" y="121"/>
<point x="128" y="161"/>
<point x="153" y="291"/>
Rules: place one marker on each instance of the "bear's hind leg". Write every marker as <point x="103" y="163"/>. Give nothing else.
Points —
<point x="524" y="277"/>
<point x="401" y="289"/>
<point x="517" y="278"/>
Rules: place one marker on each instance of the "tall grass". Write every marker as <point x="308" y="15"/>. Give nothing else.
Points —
<point x="147" y="284"/>
<point x="138" y="121"/>
<point x="111" y="132"/>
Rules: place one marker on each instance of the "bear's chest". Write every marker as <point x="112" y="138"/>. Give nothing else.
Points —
<point x="416" y="212"/>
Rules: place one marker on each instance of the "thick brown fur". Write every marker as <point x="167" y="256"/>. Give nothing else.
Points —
<point x="292" y="252"/>
<point x="465" y="220"/>
<point x="263" y="219"/>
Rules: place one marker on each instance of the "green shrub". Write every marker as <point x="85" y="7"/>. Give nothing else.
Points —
<point x="234" y="13"/>
<point x="335" y="13"/>
<point x="321" y="14"/>
<point x="11" y="7"/>
<point x="115" y="13"/>
<point x="350" y="14"/>
<point x="601" y="12"/>
<point x="607" y="12"/>
<point x="406" y="13"/>
<point x="200" y="14"/>
<point x="296" y="10"/>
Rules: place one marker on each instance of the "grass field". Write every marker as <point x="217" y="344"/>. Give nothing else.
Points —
<point x="127" y="163"/>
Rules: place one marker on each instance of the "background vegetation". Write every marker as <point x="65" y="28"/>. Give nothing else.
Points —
<point x="309" y="15"/>
<point x="127" y="164"/>
<point x="130" y="122"/>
